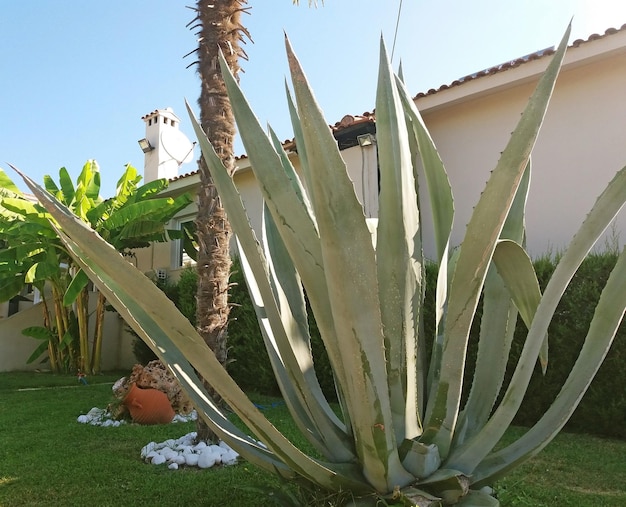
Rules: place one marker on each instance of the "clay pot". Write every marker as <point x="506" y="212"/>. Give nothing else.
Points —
<point x="148" y="406"/>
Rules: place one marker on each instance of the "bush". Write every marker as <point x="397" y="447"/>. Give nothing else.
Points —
<point x="602" y="410"/>
<point x="250" y="366"/>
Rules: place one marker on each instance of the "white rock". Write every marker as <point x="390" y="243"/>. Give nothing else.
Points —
<point x="169" y="454"/>
<point x="173" y="466"/>
<point x="199" y="446"/>
<point x="180" y="460"/>
<point x="230" y="458"/>
<point x="158" y="459"/>
<point x="147" y="448"/>
<point x="83" y="419"/>
<point x="216" y="449"/>
<point x="206" y="460"/>
<point x="191" y="459"/>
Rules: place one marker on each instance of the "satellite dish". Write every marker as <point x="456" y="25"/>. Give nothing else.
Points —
<point x="177" y="146"/>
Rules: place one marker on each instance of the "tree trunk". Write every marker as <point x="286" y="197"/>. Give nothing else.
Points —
<point x="218" y="21"/>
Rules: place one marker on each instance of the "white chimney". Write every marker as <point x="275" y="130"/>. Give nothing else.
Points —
<point x="165" y="147"/>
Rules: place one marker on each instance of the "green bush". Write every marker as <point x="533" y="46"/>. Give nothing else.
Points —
<point x="249" y="364"/>
<point x="602" y="410"/>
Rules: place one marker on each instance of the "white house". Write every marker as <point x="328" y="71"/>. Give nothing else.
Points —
<point x="582" y="144"/>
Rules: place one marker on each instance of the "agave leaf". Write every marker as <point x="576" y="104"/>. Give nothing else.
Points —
<point x="420" y="459"/>
<point x="324" y="319"/>
<point x="413" y="497"/>
<point x="290" y="297"/>
<point x="497" y="328"/>
<point x="260" y="281"/>
<point x="290" y="213"/>
<point x="606" y="320"/>
<point x="442" y="210"/>
<point x="514" y="229"/>
<point x="516" y="268"/>
<point x="172" y="337"/>
<point x="608" y="204"/>
<point x="439" y="189"/>
<point x="482" y="234"/>
<point x="349" y="262"/>
<point x="399" y="256"/>
<point x="478" y="499"/>
<point x="319" y="429"/>
<point x="291" y="174"/>
<point x="297" y="132"/>
<point x="450" y="485"/>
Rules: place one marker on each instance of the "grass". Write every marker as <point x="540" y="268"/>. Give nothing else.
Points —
<point x="48" y="459"/>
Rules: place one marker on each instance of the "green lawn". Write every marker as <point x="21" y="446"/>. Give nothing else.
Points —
<point x="48" y="459"/>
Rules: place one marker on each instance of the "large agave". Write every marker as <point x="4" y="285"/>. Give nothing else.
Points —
<point x="402" y="433"/>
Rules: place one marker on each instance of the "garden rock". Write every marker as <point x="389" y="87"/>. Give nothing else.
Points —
<point x="185" y="452"/>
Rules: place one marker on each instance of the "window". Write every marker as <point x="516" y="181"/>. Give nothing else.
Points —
<point x="185" y="248"/>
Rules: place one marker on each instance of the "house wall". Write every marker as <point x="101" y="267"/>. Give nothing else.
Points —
<point x="581" y="145"/>
<point x="16" y="348"/>
<point x="362" y="168"/>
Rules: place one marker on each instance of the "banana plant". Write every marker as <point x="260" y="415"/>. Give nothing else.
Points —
<point x="403" y="434"/>
<point x="133" y="218"/>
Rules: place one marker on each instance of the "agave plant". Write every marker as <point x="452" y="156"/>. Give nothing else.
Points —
<point x="402" y="433"/>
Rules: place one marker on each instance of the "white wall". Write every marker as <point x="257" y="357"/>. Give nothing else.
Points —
<point x="581" y="145"/>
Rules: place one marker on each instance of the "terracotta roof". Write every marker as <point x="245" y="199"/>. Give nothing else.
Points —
<point x="350" y="121"/>
<point x="517" y="62"/>
<point x="369" y="117"/>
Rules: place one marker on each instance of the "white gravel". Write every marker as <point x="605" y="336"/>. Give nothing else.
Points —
<point x="182" y="452"/>
<point x="102" y="417"/>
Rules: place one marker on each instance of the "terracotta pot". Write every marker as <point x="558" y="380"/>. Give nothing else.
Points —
<point x="148" y="406"/>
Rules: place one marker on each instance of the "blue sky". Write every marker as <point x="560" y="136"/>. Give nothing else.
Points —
<point x="76" y="80"/>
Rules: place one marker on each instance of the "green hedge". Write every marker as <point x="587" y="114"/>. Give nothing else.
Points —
<point x="602" y="411"/>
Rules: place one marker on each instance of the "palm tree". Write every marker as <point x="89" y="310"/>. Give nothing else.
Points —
<point x="219" y="28"/>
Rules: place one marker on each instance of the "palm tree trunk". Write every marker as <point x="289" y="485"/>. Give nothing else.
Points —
<point x="219" y="29"/>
